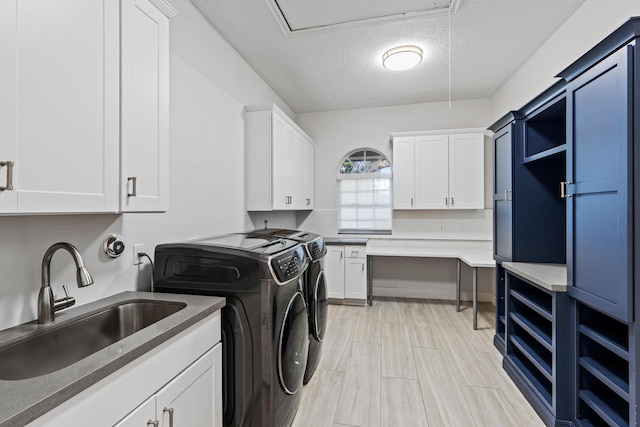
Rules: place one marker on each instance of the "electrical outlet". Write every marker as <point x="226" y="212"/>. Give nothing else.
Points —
<point x="136" y="250"/>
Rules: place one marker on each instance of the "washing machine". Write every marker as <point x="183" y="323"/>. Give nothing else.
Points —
<point x="265" y="332"/>
<point x="314" y="289"/>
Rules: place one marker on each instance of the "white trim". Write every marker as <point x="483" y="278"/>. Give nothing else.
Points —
<point x="370" y="175"/>
<point x="439" y="132"/>
<point x="164" y="7"/>
<point x="277" y="13"/>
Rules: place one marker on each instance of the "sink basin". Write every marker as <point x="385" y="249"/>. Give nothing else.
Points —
<point x="59" y="347"/>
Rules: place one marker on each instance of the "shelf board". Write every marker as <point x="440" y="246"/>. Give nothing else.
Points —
<point x="602" y="408"/>
<point x="604" y="341"/>
<point x="533" y="330"/>
<point x="535" y="385"/>
<point x="534" y="358"/>
<point x="533" y="303"/>
<point x="546" y="154"/>
<point x="609" y="378"/>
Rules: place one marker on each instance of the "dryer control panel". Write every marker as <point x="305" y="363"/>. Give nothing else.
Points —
<point x="289" y="265"/>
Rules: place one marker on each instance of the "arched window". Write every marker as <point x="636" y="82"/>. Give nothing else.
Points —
<point x="364" y="193"/>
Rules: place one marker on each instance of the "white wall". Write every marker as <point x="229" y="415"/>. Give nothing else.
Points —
<point x="336" y="133"/>
<point x="206" y="187"/>
<point x="591" y="23"/>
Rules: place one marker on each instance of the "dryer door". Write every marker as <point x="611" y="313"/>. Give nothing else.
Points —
<point x="293" y="345"/>
<point x="317" y="303"/>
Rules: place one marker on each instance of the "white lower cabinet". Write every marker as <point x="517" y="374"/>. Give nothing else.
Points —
<point x="345" y="269"/>
<point x="182" y="376"/>
<point x="188" y="400"/>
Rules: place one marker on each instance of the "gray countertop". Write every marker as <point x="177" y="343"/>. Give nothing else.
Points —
<point x="552" y="277"/>
<point x="25" y="400"/>
<point x="345" y="241"/>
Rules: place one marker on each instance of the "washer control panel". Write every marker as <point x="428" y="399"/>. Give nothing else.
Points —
<point x="289" y="265"/>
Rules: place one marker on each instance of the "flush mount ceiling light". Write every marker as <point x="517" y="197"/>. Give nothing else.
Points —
<point x="402" y="58"/>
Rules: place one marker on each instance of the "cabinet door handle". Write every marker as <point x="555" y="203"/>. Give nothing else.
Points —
<point x="452" y="202"/>
<point x="155" y="423"/>
<point x="563" y="190"/>
<point x="308" y="202"/>
<point x="170" y="411"/>
<point x="341" y="255"/>
<point x="363" y="267"/>
<point x="134" y="186"/>
<point x="446" y="201"/>
<point x="412" y="202"/>
<point x="9" y="185"/>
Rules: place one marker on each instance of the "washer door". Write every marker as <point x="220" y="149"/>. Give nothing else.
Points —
<point x="293" y="345"/>
<point x="318" y="307"/>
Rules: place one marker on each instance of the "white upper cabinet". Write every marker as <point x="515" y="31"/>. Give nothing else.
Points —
<point x="60" y="105"/>
<point x="8" y="197"/>
<point x="279" y="161"/>
<point x="60" y="114"/>
<point x="144" y="176"/>
<point x="438" y="170"/>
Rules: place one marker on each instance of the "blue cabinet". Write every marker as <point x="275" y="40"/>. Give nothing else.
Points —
<point x="575" y="188"/>
<point x="598" y="198"/>
<point x="503" y="192"/>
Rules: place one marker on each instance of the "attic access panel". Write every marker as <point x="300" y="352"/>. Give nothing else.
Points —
<point x="312" y="15"/>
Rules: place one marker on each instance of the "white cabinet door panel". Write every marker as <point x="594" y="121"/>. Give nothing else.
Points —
<point x="403" y="173"/>
<point x="355" y="278"/>
<point x="145" y="107"/>
<point x="8" y="199"/>
<point x="67" y="106"/>
<point x="189" y="398"/>
<point x="466" y="171"/>
<point x="141" y="416"/>
<point x="334" y="271"/>
<point x="431" y="172"/>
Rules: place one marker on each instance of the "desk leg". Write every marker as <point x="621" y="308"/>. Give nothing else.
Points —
<point x="369" y="279"/>
<point x="475" y="298"/>
<point x="458" y="286"/>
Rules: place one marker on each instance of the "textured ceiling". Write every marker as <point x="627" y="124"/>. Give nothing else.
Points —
<point x="340" y="67"/>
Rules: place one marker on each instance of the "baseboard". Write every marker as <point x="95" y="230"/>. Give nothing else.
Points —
<point x="432" y="294"/>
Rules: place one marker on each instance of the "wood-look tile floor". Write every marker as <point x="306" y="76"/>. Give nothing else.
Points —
<point x="410" y="362"/>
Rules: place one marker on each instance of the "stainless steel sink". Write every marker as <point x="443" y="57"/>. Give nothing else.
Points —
<point x="59" y="347"/>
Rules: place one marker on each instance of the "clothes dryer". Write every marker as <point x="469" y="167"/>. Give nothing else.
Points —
<point x="314" y="288"/>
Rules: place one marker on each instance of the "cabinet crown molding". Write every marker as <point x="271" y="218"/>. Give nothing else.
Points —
<point x="165" y="7"/>
<point x="438" y="132"/>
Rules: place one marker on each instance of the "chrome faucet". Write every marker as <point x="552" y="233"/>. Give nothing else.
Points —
<point x="47" y="306"/>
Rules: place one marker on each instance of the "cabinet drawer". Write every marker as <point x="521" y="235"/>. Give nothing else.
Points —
<point x="355" y="251"/>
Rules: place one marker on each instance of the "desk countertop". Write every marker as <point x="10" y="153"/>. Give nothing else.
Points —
<point x="475" y="253"/>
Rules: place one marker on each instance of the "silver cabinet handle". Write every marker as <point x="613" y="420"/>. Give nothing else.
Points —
<point x="452" y="201"/>
<point x="446" y="201"/>
<point x="412" y="202"/>
<point x="134" y="186"/>
<point x="341" y="254"/>
<point x="155" y="423"/>
<point x="170" y="411"/>
<point x="505" y="195"/>
<point x="563" y="190"/>
<point x="362" y="266"/>
<point x="9" y="185"/>
<point x="308" y="202"/>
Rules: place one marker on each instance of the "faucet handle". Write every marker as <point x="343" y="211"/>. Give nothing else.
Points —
<point x="65" y="302"/>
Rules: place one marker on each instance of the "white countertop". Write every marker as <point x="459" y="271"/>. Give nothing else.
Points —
<point x="552" y="277"/>
<point x="475" y="253"/>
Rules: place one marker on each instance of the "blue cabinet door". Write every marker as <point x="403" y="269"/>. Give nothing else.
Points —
<point x="598" y="170"/>
<point x="502" y="195"/>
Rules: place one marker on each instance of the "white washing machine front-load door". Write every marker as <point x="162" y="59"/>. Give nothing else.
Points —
<point x="293" y="345"/>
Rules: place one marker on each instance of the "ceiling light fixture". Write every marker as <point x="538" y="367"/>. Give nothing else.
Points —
<point x="402" y="58"/>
